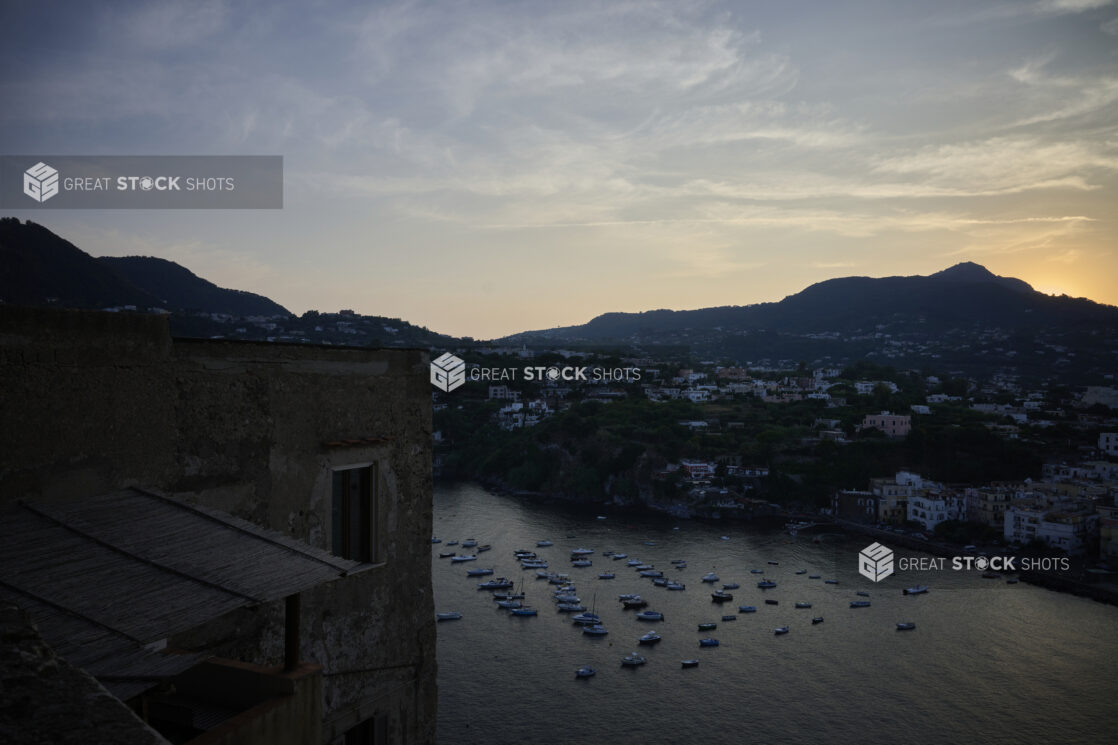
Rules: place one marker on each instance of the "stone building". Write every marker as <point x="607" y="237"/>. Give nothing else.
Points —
<point x="327" y="446"/>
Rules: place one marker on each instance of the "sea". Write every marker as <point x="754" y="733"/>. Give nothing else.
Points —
<point x="988" y="662"/>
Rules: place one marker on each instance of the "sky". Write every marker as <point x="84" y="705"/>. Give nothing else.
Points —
<point x="483" y="168"/>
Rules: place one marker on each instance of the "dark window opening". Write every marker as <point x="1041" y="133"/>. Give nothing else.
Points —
<point x="354" y="514"/>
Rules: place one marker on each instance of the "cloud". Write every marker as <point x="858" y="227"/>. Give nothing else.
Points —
<point x="1002" y="164"/>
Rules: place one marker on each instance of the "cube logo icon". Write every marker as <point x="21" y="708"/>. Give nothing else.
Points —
<point x="448" y="372"/>
<point x="875" y="562"/>
<point x="40" y="182"/>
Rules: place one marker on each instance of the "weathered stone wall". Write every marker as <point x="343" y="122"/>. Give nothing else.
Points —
<point x="96" y="401"/>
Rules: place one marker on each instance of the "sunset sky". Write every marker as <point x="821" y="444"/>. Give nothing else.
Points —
<point x="483" y="168"/>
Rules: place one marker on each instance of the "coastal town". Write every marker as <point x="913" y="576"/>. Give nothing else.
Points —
<point x="1062" y="501"/>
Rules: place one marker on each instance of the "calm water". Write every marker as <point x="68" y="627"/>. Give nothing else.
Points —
<point x="987" y="663"/>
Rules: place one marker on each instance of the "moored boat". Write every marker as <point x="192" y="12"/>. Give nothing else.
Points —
<point x="585" y="672"/>
<point x="650" y="615"/>
<point x="650" y="638"/>
<point x="707" y="626"/>
<point x="766" y="584"/>
<point x="495" y="584"/>
<point x="747" y="609"/>
<point x="708" y="642"/>
<point x="906" y="626"/>
<point x="802" y="604"/>
<point x="770" y="601"/>
<point x="817" y="619"/>
<point x="595" y="630"/>
<point x="464" y="557"/>
<point x="450" y="615"/>
<point x="478" y="572"/>
<point x="780" y="630"/>
<point x="710" y="577"/>
<point x="689" y="663"/>
<point x="524" y="611"/>
<point x="632" y="660"/>
<point x="859" y="604"/>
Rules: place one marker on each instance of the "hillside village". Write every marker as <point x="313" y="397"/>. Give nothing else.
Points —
<point x="1062" y="499"/>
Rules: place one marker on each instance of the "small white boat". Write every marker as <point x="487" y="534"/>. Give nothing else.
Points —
<point x="918" y="590"/>
<point x="650" y="615"/>
<point x="780" y="630"/>
<point x="509" y="604"/>
<point x="450" y="615"/>
<point x="729" y="617"/>
<point x="650" y="573"/>
<point x="632" y="660"/>
<point x="710" y="577"/>
<point x="689" y="663"/>
<point x="801" y="571"/>
<point x="478" y="572"/>
<point x="906" y="626"/>
<point x="676" y="586"/>
<point x="720" y="596"/>
<point x="587" y="618"/>
<point x="830" y="581"/>
<point x="747" y="609"/>
<point x="859" y="604"/>
<point x="585" y="672"/>
<point x="724" y="538"/>
<point x="466" y="557"/>
<point x="524" y="611"/>
<point x="544" y="544"/>
<point x="756" y="571"/>
<point x="606" y="575"/>
<point x="483" y="548"/>
<point x="595" y="630"/>
<point x="863" y="593"/>
<point x="619" y="556"/>
<point x="469" y="543"/>
<point x="803" y="605"/>
<point x="601" y="517"/>
<point x="731" y="586"/>
<point x="766" y="584"/>
<point x="571" y="607"/>
<point x="582" y="563"/>
<point x="436" y="540"/>
<point x="495" y="584"/>
<point x="817" y="619"/>
<point x="582" y="552"/>
<point x="708" y="642"/>
<point x="628" y="596"/>
<point x="633" y="562"/>
<point x="452" y="543"/>
<point x="650" y="638"/>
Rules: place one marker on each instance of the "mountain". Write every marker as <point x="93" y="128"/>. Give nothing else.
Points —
<point x="41" y="268"/>
<point x="964" y="317"/>
<point x="38" y="267"/>
<point x="178" y="287"/>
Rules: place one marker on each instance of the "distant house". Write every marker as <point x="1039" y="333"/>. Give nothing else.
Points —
<point x="893" y="425"/>
<point x="1108" y="443"/>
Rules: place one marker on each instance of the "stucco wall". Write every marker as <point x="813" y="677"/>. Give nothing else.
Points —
<point x="95" y="401"/>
